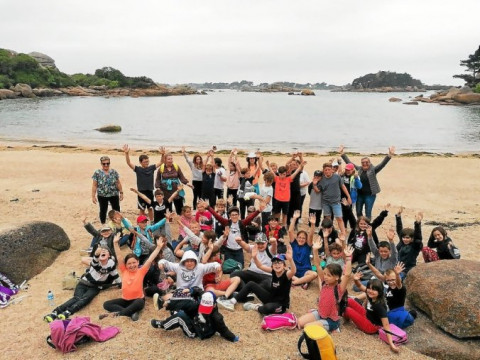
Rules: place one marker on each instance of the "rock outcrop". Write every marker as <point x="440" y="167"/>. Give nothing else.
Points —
<point x="25" y="90"/>
<point x="453" y="96"/>
<point x="307" y="92"/>
<point x="27" y="250"/>
<point x="110" y="128"/>
<point x="7" y="94"/>
<point x="447" y="291"/>
<point x="43" y="60"/>
<point x="394" y="99"/>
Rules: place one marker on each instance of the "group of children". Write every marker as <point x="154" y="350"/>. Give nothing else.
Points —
<point x="185" y="274"/>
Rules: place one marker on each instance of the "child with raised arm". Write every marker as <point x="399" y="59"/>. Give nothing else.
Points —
<point x="282" y="191"/>
<point x="275" y="299"/>
<point x="374" y="316"/>
<point x="302" y="248"/>
<point x="196" y="165"/>
<point x="395" y="294"/>
<point x="233" y="176"/>
<point x="101" y="274"/>
<point x="208" y="185"/>
<point x="386" y="256"/>
<point x="133" y="298"/>
<point x="145" y="180"/>
<point x="410" y="243"/>
<point x="332" y="286"/>
<point x="159" y="206"/>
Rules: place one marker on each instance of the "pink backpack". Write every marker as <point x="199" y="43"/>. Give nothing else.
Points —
<point x="279" y="321"/>
<point x="399" y="336"/>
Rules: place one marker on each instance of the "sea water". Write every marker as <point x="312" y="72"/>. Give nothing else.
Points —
<point x="363" y="122"/>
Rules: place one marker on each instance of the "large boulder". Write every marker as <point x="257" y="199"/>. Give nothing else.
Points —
<point x="110" y="128"/>
<point x="25" y="90"/>
<point x="468" y="98"/>
<point x="448" y="292"/>
<point x="27" y="250"/>
<point x="43" y="60"/>
<point x="7" y="94"/>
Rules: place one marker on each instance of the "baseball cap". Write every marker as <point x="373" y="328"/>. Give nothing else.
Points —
<point x="318" y="173"/>
<point x="141" y="219"/>
<point x="335" y="163"/>
<point x="349" y="166"/>
<point x="105" y="228"/>
<point x="260" y="238"/>
<point x="207" y="303"/>
<point x="279" y="257"/>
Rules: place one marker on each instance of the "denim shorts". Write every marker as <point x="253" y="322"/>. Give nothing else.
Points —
<point x="335" y="208"/>
<point x="327" y="323"/>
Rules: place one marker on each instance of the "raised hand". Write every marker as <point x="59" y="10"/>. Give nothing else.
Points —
<point x="312" y="218"/>
<point x="289" y="253"/>
<point x="391" y="150"/>
<point x="162" y="150"/>
<point x="419" y="217"/>
<point x="368" y="258"/>
<point x="296" y="214"/>
<point x="238" y="239"/>
<point x="390" y="234"/>
<point x="230" y="199"/>
<point x="126" y="149"/>
<point x="254" y="251"/>
<point x="341" y="149"/>
<point x="387" y="206"/>
<point x="400" y="267"/>
<point x="317" y="244"/>
<point x="357" y="276"/>
<point x="116" y="239"/>
<point x="183" y="150"/>
<point x="369" y="231"/>
<point x="348" y="251"/>
<point x="400" y="210"/>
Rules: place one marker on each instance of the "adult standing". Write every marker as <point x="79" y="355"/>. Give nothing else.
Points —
<point x="368" y="176"/>
<point x="169" y="175"/>
<point x="144" y="174"/>
<point x="106" y="188"/>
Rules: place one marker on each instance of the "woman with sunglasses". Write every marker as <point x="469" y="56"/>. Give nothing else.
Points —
<point x="368" y="176"/>
<point x="106" y="188"/>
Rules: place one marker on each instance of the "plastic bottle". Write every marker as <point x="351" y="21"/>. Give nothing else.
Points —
<point x="50" y="298"/>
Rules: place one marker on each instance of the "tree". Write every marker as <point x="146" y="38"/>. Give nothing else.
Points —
<point x="472" y="65"/>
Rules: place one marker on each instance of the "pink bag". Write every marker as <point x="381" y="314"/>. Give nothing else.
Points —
<point x="279" y="321"/>
<point x="399" y="336"/>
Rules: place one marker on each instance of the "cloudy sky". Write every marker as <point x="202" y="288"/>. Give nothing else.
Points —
<point x="180" y="41"/>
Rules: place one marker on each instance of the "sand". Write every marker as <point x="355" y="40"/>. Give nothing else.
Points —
<point x="445" y="189"/>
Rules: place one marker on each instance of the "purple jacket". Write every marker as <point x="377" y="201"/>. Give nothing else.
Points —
<point x="65" y="333"/>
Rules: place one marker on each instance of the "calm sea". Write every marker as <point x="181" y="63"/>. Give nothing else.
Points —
<point x="364" y="122"/>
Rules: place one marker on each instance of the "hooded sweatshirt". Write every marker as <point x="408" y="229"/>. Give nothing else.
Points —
<point x="187" y="279"/>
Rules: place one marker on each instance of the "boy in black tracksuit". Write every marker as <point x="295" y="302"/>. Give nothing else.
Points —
<point x="204" y="324"/>
<point x="410" y="243"/>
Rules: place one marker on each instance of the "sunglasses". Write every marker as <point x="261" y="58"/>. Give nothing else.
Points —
<point x="105" y="164"/>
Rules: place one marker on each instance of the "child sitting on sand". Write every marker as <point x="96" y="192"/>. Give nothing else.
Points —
<point x="442" y="243"/>
<point x="275" y="299"/>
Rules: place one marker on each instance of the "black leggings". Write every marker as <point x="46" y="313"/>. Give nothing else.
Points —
<point x="348" y="217"/>
<point x="318" y="216"/>
<point x="244" y="204"/>
<point x="82" y="296"/>
<point x="233" y="192"/>
<point x="269" y="305"/>
<point x="124" y="307"/>
<point x="103" y="203"/>
<point x="197" y="192"/>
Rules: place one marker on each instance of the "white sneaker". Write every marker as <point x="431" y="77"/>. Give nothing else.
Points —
<point x="226" y="304"/>
<point x="250" y="306"/>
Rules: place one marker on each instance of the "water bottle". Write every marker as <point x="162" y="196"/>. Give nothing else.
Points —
<point x="50" y="298"/>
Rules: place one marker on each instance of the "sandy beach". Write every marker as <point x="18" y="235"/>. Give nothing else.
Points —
<point x="444" y="188"/>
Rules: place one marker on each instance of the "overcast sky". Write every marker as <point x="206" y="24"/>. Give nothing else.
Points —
<point x="180" y="41"/>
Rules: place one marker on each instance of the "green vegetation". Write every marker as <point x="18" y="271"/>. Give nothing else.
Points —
<point x="22" y="68"/>
<point x="25" y="69"/>
<point x="472" y="65"/>
<point x="385" y="79"/>
<point x="477" y="88"/>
